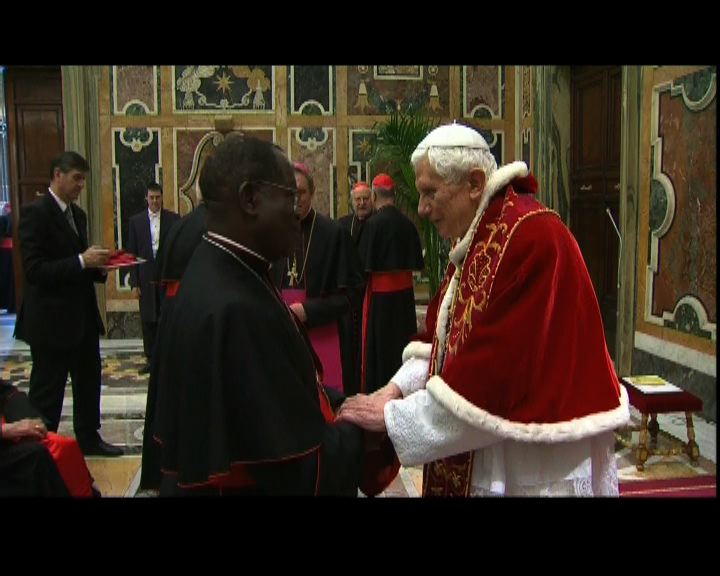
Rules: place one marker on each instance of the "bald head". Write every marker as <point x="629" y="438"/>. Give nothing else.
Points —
<point x="361" y="196"/>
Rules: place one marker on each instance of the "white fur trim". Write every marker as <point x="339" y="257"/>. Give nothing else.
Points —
<point x="499" y="179"/>
<point x="571" y="430"/>
<point x="417" y="350"/>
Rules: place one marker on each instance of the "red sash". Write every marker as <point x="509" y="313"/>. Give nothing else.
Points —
<point x="171" y="288"/>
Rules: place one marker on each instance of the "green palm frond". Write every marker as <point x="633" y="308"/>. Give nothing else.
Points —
<point x="397" y="139"/>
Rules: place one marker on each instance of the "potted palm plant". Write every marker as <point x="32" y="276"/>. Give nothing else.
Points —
<point x="397" y="138"/>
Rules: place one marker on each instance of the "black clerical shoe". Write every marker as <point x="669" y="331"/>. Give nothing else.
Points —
<point x="145" y="369"/>
<point x="98" y="447"/>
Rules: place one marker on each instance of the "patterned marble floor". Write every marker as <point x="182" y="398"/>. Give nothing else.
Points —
<point x="124" y="393"/>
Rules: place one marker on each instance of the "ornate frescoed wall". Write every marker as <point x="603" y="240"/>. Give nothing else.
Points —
<point x="161" y="122"/>
<point x="676" y="308"/>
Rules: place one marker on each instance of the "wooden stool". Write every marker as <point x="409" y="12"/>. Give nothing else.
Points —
<point x="653" y="404"/>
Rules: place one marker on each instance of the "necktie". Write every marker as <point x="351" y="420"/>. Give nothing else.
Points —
<point x="71" y="220"/>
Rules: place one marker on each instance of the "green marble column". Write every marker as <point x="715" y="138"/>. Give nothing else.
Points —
<point x="551" y="125"/>
<point x="81" y="107"/>
<point x="629" y="198"/>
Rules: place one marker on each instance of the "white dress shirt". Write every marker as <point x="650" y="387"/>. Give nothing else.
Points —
<point x="154" y="230"/>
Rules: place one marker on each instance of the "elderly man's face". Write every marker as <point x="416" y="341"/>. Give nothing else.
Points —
<point x="362" y="202"/>
<point x="448" y="206"/>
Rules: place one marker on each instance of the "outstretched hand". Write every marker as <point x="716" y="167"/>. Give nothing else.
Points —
<point x="365" y="411"/>
<point x="95" y="256"/>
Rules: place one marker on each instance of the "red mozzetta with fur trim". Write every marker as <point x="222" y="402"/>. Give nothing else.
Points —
<point x="526" y="341"/>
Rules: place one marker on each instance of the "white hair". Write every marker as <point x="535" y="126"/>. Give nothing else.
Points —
<point x="455" y="162"/>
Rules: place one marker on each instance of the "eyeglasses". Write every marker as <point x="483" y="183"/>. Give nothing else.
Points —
<point x="292" y="191"/>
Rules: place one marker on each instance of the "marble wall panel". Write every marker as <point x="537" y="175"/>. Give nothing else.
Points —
<point x="316" y="148"/>
<point x="361" y="147"/>
<point x="192" y="147"/>
<point x="683" y="207"/>
<point x="496" y="141"/>
<point x="134" y="90"/>
<point x="483" y="89"/>
<point x="311" y="90"/>
<point x="135" y="163"/>
<point x="241" y="89"/>
<point x="373" y="90"/>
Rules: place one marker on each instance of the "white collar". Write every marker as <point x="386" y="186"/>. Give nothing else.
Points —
<point x="239" y="246"/>
<point x="499" y="179"/>
<point x="63" y="205"/>
<point x="154" y="214"/>
<point x="497" y="182"/>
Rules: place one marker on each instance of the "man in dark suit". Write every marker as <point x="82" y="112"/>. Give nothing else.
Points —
<point x="147" y="232"/>
<point x="59" y="316"/>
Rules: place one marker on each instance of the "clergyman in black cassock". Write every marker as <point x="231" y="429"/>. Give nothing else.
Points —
<point x="325" y="267"/>
<point x="239" y="408"/>
<point x="172" y="258"/>
<point x="390" y="250"/>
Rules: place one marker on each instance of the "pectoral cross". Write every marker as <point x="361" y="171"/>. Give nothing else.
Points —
<point x="292" y="273"/>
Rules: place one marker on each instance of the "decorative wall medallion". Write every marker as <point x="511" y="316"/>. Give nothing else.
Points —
<point x="361" y="147"/>
<point x="243" y="89"/>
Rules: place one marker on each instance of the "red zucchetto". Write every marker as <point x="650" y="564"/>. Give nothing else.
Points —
<point x="383" y="181"/>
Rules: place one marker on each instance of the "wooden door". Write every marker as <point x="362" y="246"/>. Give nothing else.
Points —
<point x="35" y="136"/>
<point x="595" y="181"/>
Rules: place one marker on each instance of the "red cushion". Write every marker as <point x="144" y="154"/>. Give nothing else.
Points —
<point x="681" y="401"/>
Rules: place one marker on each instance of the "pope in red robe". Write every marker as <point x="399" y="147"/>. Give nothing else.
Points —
<point x="512" y="391"/>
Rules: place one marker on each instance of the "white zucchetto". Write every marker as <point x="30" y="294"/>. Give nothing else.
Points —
<point x="452" y="136"/>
